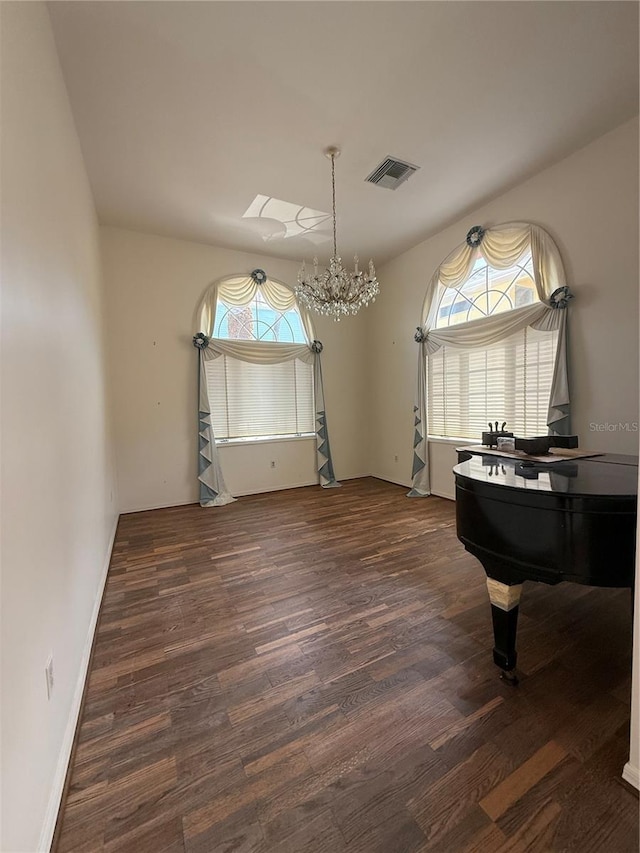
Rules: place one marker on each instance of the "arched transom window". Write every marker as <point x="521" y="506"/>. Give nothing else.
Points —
<point x="487" y="291"/>
<point x="258" y="320"/>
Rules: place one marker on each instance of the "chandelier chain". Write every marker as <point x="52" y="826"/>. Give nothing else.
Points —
<point x="333" y="188"/>
<point x="335" y="291"/>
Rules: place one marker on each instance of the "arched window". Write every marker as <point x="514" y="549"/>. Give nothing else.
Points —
<point x="493" y="342"/>
<point x="508" y="381"/>
<point x="491" y="334"/>
<point x="255" y="393"/>
<point x="259" y="375"/>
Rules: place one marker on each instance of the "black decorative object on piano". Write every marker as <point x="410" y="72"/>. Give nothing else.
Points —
<point x="534" y="446"/>
<point x="546" y="522"/>
<point x="540" y="445"/>
<point x="570" y="442"/>
<point x="490" y="438"/>
<point x="537" y="446"/>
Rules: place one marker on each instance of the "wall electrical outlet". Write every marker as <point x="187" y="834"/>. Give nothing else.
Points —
<point x="48" y="674"/>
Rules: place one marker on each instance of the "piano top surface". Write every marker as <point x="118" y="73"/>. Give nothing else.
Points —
<point x="606" y="475"/>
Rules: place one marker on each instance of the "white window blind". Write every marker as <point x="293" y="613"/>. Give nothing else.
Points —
<point x="509" y="381"/>
<point x="260" y="400"/>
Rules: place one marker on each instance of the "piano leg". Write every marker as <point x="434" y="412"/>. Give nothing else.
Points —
<point x="505" y="601"/>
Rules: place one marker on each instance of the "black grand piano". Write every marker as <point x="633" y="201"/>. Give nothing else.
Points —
<point x="547" y="522"/>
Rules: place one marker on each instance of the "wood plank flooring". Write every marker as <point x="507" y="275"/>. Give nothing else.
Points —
<point x="311" y="670"/>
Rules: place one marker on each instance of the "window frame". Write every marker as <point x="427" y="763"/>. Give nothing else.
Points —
<point x="298" y="337"/>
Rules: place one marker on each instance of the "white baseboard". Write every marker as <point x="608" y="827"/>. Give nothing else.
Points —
<point x="449" y="497"/>
<point x="387" y="479"/>
<point x="57" y="788"/>
<point x="278" y="488"/>
<point x="294" y="486"/>
<point x="354" y="477"/>
<point x="163" y="505"/>
<point x="631" y="775"/>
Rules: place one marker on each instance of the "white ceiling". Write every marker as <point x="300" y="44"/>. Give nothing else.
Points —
<point x="188" y="110"/>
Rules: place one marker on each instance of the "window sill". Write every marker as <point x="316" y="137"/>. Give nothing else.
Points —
<point x="269" y="439"/>
<point x="444" y="439"/>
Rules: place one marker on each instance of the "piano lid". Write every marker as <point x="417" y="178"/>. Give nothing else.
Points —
<point x="597" y="476"/>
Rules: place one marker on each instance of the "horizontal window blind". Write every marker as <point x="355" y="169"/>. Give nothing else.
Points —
<point x="509" y="381"/>
<point x="259" y="400"/>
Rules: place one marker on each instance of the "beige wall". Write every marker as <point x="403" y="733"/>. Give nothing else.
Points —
<point x="589" y="204"/>
<point x="58" y="499"/>
<point x="153" y="287"/>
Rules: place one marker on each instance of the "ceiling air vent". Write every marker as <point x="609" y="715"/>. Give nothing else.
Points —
<point x="391" y="173"/>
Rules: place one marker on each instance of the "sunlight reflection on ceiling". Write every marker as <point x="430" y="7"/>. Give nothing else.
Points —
<point x="298" y="221"/>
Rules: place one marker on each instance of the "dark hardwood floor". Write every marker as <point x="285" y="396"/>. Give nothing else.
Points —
<point x="311" y="670"/>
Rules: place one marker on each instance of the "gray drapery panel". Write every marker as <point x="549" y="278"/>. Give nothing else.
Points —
<point x="420" y="468"/>
<point x="323" y="447"/>
<point x="501" y="247"/>
<point x="213" y="490"/>
<point x="559" y="414"/>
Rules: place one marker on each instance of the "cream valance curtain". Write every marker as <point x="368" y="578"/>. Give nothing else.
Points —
<point x="241" y="290"/>
<point x="496" y="327"/>
<point x="502" y="247"/>
<point x="257" y="352"/>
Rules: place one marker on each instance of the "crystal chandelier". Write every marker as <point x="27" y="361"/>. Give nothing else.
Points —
<point x="336" y="291"/>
